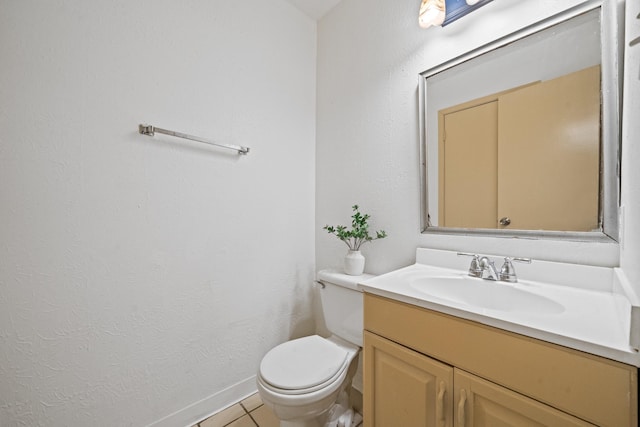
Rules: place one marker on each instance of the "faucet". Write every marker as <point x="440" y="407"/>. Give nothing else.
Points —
<point x="508" y="272"/>
<point x="484" y="268"/>
<point x="488" y="269"/>
<point x="474" y="267"/>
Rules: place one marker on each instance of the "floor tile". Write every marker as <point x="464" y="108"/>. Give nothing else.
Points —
<point x="224" y="417"/>
<point x="252" y="402"/>
<point x="265" y="417"/>
<point x="245" y="421"/>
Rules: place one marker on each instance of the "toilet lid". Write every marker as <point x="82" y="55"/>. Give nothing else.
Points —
<point x="302" y="363"/>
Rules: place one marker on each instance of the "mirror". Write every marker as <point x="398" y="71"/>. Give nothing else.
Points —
<point x="521" y="137"/>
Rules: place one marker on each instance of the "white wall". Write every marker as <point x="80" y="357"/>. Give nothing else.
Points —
<point x="367" y="129"/>
<point x="139" y="276"/>
<point x="630" y="247"/>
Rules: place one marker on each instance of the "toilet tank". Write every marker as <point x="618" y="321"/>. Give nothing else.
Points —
<point x="342" y="304"/>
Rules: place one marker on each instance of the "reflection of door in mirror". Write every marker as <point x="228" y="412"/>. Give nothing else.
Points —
<point x="468" y="165"/>
<point x="544" y="139"/>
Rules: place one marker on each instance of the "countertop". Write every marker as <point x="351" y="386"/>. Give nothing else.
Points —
<point x="594" y="317"/>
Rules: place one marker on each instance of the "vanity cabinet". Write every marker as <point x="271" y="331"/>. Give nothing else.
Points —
<point x="404" y="387"/>
<point x="424" y="368"/>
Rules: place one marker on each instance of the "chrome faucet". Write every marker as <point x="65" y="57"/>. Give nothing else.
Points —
<point x="488" y="269"/>
<point x="484" y="268"/>
<point x="474" y="267"/>
<point x="508" y="272"/>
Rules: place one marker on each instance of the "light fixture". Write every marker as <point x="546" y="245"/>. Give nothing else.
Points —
<point x="432" y="12"/>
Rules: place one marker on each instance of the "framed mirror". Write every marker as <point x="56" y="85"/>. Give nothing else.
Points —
<point x="521" y="137"/>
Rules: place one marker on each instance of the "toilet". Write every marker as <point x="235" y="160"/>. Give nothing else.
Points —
<point x="306" y="381"/>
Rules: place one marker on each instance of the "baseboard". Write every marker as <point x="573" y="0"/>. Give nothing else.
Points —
<point x="209" y="405"/>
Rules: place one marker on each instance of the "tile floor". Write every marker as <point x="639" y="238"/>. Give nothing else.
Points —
<point x="249" y="412"/>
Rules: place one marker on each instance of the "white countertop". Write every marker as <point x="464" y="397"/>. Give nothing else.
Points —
<point x="595" y="317"/>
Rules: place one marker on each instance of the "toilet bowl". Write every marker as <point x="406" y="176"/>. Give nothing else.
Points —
<point x="301" y="380"/>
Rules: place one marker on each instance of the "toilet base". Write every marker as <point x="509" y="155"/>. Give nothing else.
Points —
<point x="349" y="418"/>
<point x="302" y="423"/>
<point x="339" y="415"/>
<point x="343" y="417"/>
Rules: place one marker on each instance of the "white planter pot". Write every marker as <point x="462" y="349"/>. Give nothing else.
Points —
<point x="354" y="263"/>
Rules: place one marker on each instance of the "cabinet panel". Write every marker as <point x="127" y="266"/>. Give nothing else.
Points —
<point x="598" y="390"/>
<point x="403" y="387"/>
<point x="480" y="403"/>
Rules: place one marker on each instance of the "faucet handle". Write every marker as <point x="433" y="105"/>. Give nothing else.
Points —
<point x="474" y="268"/>
<point x="508" y="272"/>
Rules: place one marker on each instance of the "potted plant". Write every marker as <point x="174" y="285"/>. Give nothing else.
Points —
<point x="354" y="238"/>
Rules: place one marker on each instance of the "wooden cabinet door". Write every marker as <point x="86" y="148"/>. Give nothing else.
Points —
<point x="403" y="388"/>
<point x="480" y="403"/>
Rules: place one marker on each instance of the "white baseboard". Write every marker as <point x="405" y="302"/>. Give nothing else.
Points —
<point x="209" y="405"/>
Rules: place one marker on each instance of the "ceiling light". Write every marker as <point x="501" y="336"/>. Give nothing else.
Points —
<point x="432" y="12"/>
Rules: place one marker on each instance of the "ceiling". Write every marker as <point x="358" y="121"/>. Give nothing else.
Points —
<point x="315" y="9"/>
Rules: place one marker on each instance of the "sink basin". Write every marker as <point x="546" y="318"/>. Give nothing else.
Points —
<point x="486" y="294"/>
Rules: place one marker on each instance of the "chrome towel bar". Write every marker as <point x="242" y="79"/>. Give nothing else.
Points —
<point x="151" y="130"/>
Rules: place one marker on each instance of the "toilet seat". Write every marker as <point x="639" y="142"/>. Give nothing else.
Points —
<point x="303" y="365"/>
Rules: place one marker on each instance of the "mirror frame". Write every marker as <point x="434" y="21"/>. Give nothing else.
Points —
<point x="611" y="78"/>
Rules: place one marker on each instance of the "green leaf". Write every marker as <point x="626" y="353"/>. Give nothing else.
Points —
<point x="359" y="232"/>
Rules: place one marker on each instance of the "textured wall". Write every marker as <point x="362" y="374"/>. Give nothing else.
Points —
<point x="139" y="275"/>
<point x="630" y="253"/>
<point x="367" y="126"/>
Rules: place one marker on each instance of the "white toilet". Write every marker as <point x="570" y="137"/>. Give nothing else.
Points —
<point x="301" y="380"/>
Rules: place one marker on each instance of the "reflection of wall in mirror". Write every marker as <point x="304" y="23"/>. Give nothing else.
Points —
<point x="531" y="154"/>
